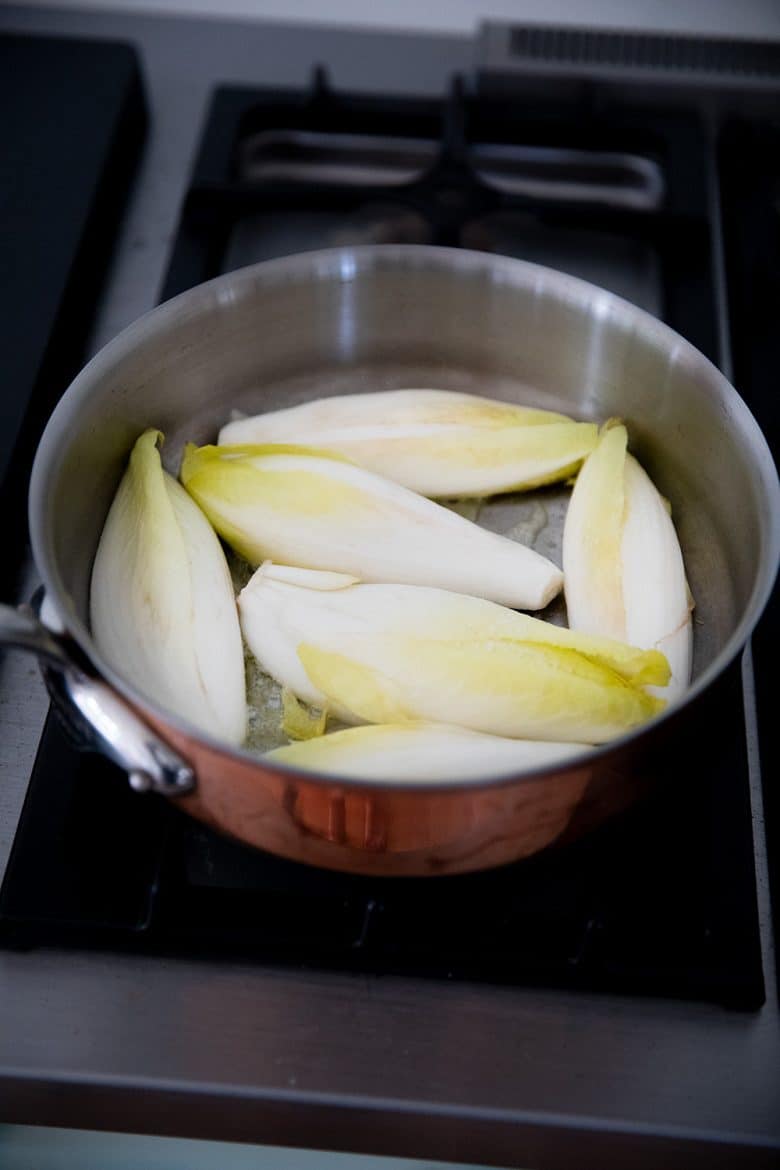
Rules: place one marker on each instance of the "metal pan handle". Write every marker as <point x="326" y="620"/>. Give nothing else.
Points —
<point x="95" y="715"/>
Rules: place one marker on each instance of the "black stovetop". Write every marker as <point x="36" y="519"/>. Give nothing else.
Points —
<point x="73" y="124"/>
<point x="661" y="901"/>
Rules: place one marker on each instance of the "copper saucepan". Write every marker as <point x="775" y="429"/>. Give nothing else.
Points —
<point x="376" y="318"/>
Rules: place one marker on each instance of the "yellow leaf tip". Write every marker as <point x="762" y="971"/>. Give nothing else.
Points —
<point x="298" y="722"/>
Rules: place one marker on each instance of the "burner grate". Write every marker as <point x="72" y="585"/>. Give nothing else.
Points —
<point x="283" y="171"/>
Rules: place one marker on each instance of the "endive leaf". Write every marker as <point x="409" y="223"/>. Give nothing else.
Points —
<point x="162" y="606"/>
<point x="625" y="576"/>
<point x="500" y="688"/>
<point x="312" y="578"/>
<point x="304" y="508"/>
<point x="360" y="691"/>
<point x="592" y="539"/>
<point x="390" y="653"/>
<point x="480" y="621"/>
<point x="436" y="442"/>
<point x="298" y="722"/>
<point x="410" y="752"/>
<point x="656" y="595"/>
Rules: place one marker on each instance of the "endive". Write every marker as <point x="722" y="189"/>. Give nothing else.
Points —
<point x="436" y="442"/>
<point x="391" y="653"/>
<point x="297" y="722"/>
<point x="412" y="752"/>
<point x="316" y="510"/>
<point x="624" y="569"/>
<point x="162" y="605"/>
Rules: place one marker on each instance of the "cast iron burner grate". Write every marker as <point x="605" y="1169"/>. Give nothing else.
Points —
<point x="613" y="194"/>
<point x="661" y="901"/>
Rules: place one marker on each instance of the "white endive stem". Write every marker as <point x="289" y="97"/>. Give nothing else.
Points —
<point x="418" y="752"/>
<point x="162" y="606"/>
<point x="312" y="509"/>
<point x="436" y="442"/>
<point x="390" y="653"/>
<point x="624" y="569"/>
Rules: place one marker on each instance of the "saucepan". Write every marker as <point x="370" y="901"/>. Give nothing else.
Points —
<point x="370" y="318"/>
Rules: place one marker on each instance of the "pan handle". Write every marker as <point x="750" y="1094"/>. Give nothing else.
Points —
<point x="95" y="715"/>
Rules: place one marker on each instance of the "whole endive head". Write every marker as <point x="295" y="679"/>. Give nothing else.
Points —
<point x="625" y="576"/>
<point x="162" y="607"/>
<point x="389" y="653"/>
<point x="437" y="442"/>
<point x="306" y="507"/>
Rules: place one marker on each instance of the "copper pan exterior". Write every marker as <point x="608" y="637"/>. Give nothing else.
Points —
<point x="433" y="830"/>
<point x="380" y="317"/>
<point x="362" y="829"/>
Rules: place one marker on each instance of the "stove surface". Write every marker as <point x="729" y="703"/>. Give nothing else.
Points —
<point x="615" y="194"/>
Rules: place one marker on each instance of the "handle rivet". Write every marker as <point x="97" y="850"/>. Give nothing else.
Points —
<point x="140" y="781"/>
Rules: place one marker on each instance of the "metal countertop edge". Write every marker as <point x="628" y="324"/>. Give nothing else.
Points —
<point x="384" y="1126"/>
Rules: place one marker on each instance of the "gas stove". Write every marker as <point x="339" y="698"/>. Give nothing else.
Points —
<point x="612" y="193"/>
<point x="666" y="194"/>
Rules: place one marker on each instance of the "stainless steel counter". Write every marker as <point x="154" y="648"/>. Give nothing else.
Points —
<point x="375" y="1064"/>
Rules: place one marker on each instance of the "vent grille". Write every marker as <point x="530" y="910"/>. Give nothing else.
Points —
<point x="646" y="51"/>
